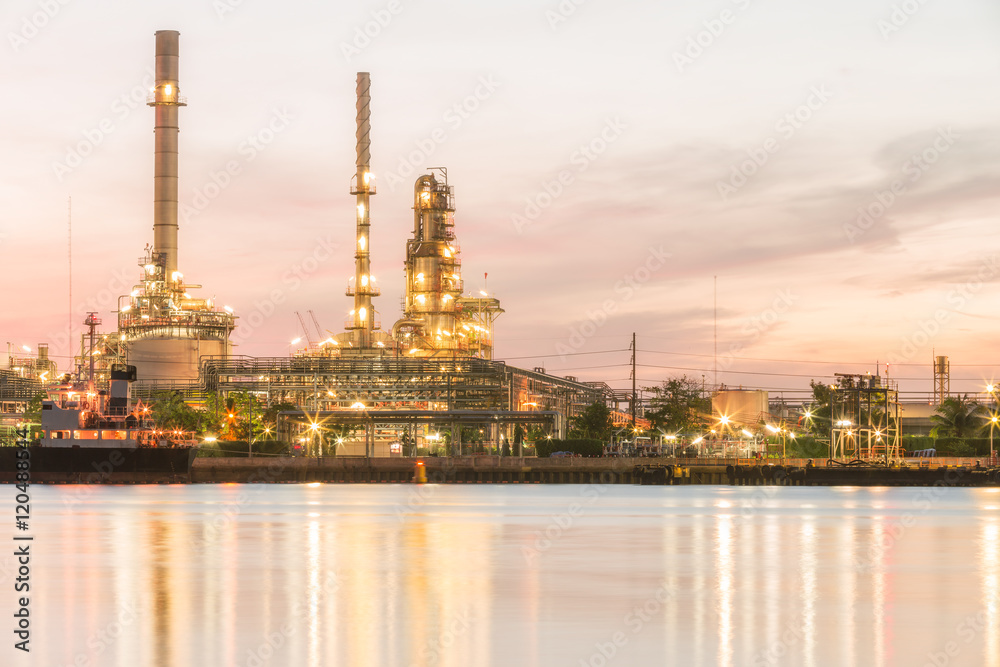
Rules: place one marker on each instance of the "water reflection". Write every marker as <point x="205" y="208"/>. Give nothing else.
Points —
<point x="476" y="576"/>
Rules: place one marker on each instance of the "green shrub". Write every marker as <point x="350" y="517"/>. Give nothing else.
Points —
<point x="581" y="446"/>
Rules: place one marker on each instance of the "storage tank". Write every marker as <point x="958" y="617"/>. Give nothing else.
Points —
<point x="742" y="406"/>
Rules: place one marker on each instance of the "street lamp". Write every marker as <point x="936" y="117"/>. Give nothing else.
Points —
<point x="993" y="422"/>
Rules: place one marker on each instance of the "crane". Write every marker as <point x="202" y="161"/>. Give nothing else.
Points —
<point x="309" y="338"/>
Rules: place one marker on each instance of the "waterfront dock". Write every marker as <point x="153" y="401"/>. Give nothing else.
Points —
<point x="527" y="470"/>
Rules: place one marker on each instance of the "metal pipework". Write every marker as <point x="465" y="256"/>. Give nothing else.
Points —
<point x="166" y="99"/>
<point x="364" y="289"/>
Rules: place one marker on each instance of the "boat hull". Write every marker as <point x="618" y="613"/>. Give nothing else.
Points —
<point x="100" y="463"/>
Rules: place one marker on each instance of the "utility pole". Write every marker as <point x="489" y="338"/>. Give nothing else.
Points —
<point x="634" y="397"/>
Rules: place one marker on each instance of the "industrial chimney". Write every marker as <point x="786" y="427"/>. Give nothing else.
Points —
<point x="166" y="100"/>
<point x="166" y="330"/>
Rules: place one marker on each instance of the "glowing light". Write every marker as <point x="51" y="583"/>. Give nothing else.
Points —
<point x="150" y="268"/>
<point x="413" y="351"/>
<point x="747" y="433"/>
<point x="145" y="317"/>
<point x="808" y="414"/>
<point x="421" y="299"/>
<point x="420" y="277"/>
<point x="210" y="438"/>
<point x="314" y="427"/>
<point x="447" y="252"/>
<point x="772" y="429"/>
<point x="724" y="419"/>
<point x="367" y="177"/>
<point x="45" y="376"/>
<point x="364" y="281"/>
<point x="362" y="242"/>
<point x="990" y="388"/>
<point x="176" y="276"/>
<point x="358" y="406"/>
<point x="127" y="307"/>
<point x="228" y="309"/>
<point x="134" y="293"/>
<point x="168" y="90"/>
<point x="380" y="344"/>
<point x="447" y="297"/>
<point x="361" y="210"/>
<point x="295" y="341"/>
<point x="363" y="313"/>
<point x="26" y="348"/>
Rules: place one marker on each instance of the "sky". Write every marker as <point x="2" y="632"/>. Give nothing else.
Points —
<point x="764" y="191"/>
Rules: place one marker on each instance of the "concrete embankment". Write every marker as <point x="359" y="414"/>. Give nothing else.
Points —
<point x="516" y="470"/>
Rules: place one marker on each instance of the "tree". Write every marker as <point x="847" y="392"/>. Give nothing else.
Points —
<point x="958" y="416"/>
<point x="678" y="405"/>
<point x="593" y="422"/>
<point x="33" y="415"/>
<point x="171" y="413"/>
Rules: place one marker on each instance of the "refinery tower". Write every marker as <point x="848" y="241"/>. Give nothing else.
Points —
<point x="164" y="329"/>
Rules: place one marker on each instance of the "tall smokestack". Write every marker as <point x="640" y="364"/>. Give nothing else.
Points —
<point x="166" y="99"/>
<point x="364" y="186"/>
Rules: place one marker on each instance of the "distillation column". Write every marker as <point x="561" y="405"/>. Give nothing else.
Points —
<point x="363" y="187"/>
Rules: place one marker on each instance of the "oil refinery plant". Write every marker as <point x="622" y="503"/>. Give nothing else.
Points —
<point x="434" y="365"/>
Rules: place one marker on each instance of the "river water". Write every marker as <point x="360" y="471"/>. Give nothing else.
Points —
<point x="522" y="575"/>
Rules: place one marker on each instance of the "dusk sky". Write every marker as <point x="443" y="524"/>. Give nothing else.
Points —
<point x="833" y="164"/>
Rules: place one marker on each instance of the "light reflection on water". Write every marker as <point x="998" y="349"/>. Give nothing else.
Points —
<point x="457" y="576"/>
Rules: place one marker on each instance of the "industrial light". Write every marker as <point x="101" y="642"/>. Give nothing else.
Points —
<point x="176" y="276"/>
<point x="367" y="177"/>
<point x="364" y="281"/>
<point x="361" y="242"/>
<point x="295" y="341"/>
<point x="363" y="313"/>
<point x="358" y="406"/>
<point x="723" y="419"/>
<point x="697" y="440"/>
<point x="361" y="210"/>
<point x="772" y="429"/>
<point x="228" y="309"/>
<point x="483" y="293"/>
<point x="747" y="433"/>
<point x="447" y="297"/>
<point x="420" y="277"/>
<point x="421" y="298"/>
<point x="447" y="252"/>
<point x="26" y="348"/>
<point x="314" y="427"/>
<point x="150" y="268"/>
<point x="168" y="90"/>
